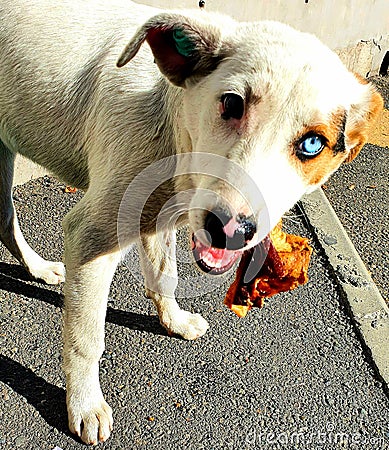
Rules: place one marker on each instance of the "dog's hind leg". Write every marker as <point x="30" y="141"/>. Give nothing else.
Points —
<point x="158" y="261"/>
<point x="10" y="233"/>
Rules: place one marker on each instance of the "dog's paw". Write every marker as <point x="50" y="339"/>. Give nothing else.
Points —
<point x="189" y="326"/>
<point x="91" y="421"/>
<point x="49" y="271"/>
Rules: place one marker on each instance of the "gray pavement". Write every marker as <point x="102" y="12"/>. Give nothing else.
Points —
<point x="293" y="375"/>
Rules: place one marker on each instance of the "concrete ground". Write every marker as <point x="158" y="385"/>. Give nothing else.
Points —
<point x="292" y="375"/>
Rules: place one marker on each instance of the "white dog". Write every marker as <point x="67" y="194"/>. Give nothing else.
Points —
<point x="250" y="116"/>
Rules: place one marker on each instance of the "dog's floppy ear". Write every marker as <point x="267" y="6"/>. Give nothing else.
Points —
<point x="183" y="48"/>
<point x="361" y="118"/>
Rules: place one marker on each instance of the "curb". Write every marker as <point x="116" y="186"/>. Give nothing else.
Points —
<point x="368" y="309"/>
<point x="25" y="171"/>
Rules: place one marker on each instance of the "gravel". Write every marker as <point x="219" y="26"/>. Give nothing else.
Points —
<point x="292" y="375"/>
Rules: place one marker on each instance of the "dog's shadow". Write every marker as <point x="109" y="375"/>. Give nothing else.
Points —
<point x="14" y="278"/>
<point x="48" y="399"/>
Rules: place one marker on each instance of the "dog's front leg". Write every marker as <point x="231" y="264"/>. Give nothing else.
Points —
<point x="86" y="293"/>
<point x="158" y="261"/>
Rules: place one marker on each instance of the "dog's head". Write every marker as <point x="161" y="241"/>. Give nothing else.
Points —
<point x="269" y="113"/>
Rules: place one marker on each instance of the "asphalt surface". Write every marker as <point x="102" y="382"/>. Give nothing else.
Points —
<point x="293" y="375"/>
<point x="359" y="193"/>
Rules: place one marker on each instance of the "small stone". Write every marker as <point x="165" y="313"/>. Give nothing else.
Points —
<point x="20" y="441"/>
<point x="330" y="240"/>
<point x="330" y="401"/>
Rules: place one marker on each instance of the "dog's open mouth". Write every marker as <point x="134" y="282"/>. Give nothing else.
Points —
<point x="212" y="260"/>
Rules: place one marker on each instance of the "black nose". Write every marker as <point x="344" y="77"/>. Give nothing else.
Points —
<point x="244" y="229"/>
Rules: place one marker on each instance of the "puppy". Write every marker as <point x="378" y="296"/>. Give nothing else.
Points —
<point x="159" y="116"/>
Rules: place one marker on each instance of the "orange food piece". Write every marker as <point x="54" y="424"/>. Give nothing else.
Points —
<point x="278" y="264"/>
<point x="70" y="190"/>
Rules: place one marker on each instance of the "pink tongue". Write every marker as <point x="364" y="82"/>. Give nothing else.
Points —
<point x="217" y="253"/>
<point x="217" y="256"/>
<point x="211" y="259"/>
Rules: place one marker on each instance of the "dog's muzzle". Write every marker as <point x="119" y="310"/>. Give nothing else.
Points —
<point x="222" y="241"/>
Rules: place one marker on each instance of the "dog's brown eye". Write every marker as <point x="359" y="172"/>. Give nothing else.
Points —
<point x="232" y="106"/>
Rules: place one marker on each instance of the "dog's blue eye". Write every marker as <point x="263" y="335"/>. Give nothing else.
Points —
<point x="311" y="145"/>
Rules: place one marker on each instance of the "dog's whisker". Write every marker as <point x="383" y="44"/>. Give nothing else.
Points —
<point x="292" y="218"/>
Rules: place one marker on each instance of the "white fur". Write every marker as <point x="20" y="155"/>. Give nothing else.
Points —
<point x="65" y="105"/>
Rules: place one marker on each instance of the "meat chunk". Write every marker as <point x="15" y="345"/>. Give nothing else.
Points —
<point x="278" y="264"/>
